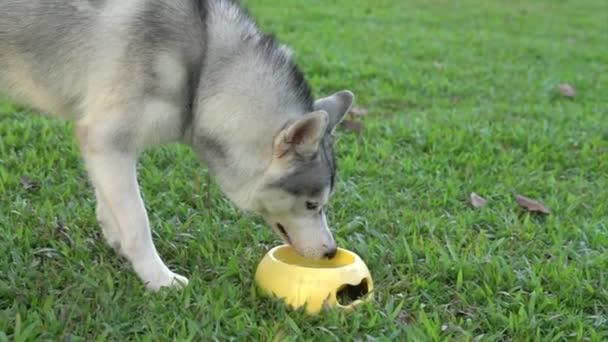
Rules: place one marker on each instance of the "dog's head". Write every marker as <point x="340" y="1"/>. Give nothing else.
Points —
<point x="301" y="178"/>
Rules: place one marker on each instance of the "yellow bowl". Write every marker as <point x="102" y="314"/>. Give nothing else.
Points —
<point x="342" y="282"/>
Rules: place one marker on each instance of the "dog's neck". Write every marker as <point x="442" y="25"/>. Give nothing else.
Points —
<point x="232" y="130"/>
<point x="248" y="89"/>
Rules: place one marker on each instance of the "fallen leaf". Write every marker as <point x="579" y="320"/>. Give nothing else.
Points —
<point x="455" y="99"/>
<point x="566" y="90"/>
<point x="462" y="313"/>
<point x="28" y="184"/>
<point x="532" y="205"/>
<point x="477" y="201"/>
<point x="47" y="252"/>
<point x="358" y="111"/>
<point x="404" y="318"/>
<point x="64" y="231"/>
<point x="352" y="126"/>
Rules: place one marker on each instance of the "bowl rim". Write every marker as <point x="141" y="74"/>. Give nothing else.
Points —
<point x="357" y="260"/>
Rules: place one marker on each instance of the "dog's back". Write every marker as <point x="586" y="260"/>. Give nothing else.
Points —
<point x="53" y="51"/>
<point x="45" y="47"/>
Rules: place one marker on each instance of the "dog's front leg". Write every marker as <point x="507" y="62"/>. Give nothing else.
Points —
<point x="109" y="227"/>
<point x="113" y="173"/>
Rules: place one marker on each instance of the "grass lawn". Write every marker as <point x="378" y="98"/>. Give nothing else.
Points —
<point x="461" y="98"/>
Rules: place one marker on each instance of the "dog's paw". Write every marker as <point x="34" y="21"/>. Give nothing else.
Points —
<point x="169" y="280"/>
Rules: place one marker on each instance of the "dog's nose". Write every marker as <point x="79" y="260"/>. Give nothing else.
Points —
<point x="331" y="253"/>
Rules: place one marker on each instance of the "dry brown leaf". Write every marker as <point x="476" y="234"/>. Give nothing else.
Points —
<point x="566" y="90"/>
<point x="352" y="126"/>
<point x="358" y="111"/>
<point x="404" y="318"/>
<point x="477" y="201"/>
<point x="455" y="99"/>
<point x="28" y="184"/>
<point x="532" y="205"/>
<point x="64" y="231"/>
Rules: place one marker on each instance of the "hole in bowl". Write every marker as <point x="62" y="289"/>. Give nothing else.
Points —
<point x="348" y="294"/>
<point x="288" y="255"/>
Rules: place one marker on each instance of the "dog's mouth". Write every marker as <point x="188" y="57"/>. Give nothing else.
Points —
<point x="283" y="232"/>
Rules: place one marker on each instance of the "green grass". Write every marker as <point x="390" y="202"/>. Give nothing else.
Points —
<point x="461" y="98"/>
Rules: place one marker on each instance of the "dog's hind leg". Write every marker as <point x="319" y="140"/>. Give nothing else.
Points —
<point x="112" y="170"/>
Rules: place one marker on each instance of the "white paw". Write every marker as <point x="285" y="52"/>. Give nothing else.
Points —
<point x="166" y="280"/>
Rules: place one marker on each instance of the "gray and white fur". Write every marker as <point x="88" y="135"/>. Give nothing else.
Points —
<point x="139" y="73"/>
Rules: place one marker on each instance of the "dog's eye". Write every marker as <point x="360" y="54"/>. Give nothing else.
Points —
<point x="312" y="205"/>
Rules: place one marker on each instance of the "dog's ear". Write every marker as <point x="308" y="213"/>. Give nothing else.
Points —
<point x="336" y="105"/>
<point x="303" y="135"/>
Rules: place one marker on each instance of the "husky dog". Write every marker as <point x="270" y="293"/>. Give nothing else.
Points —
<point x="138" y="73"/>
